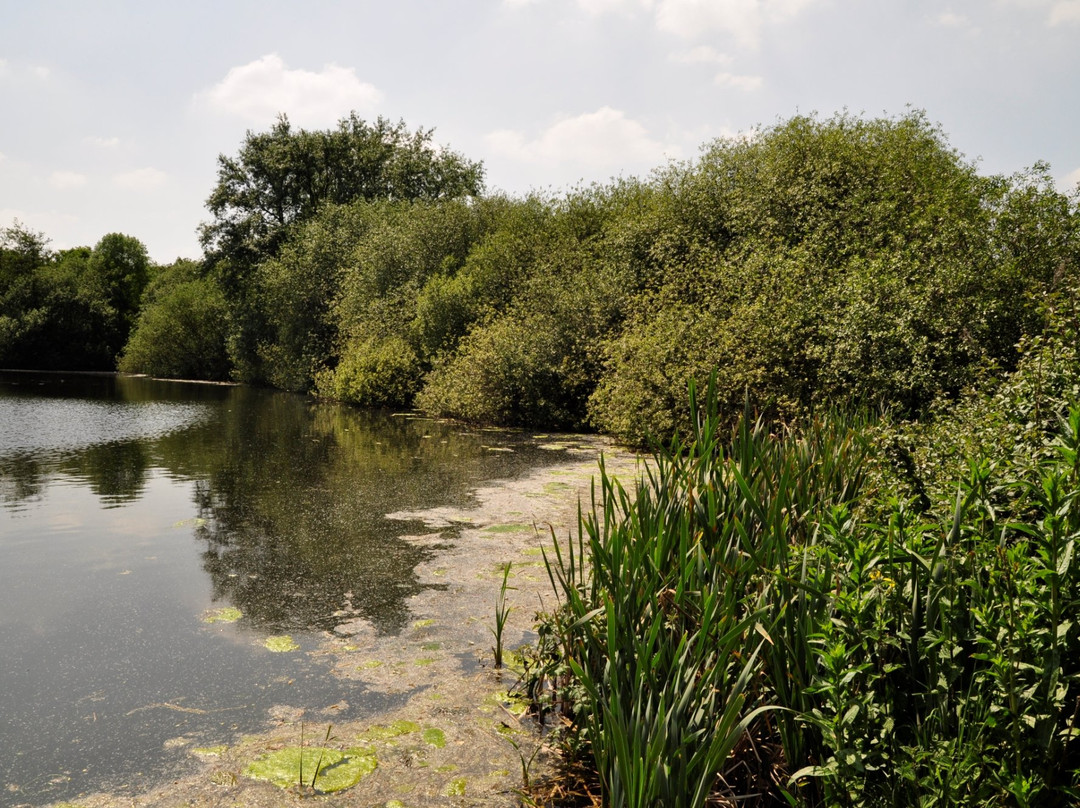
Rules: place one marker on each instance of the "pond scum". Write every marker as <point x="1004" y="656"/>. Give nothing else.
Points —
<point x="838" y="612"/>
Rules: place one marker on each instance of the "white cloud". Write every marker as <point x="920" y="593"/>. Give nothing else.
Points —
<point x="743" y="19"/>
<point x="40" y="72"/>
<point x="949" y="19"/>
<point x="104" y="142"/>
<point x="702" y="54"/>
<point x="602" y="139"/>
<point x="745" y="83"/>
<point x="141" y="179"/>
<point x="66" y="180"/>
<point x="5" y="71"/>
<point x="601" y="6"/>
<point x="1065" y="11"/>
<point x="260" y="90"/>
<point x="1060" y="11"/>
<point x="1071" y="180"/>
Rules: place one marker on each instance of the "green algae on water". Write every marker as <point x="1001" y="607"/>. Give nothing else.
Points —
<point x="510" y="527"/>
<point x="514" y="704"/>
<point x="382" y="733"/>
<point x="210" y="751"/>
<point x="455" y="788"/>
<point x="337" y="770"/>
<point x="226" y="614"/>
<point x="435" y="737"/>
<point x="280" y="644"/>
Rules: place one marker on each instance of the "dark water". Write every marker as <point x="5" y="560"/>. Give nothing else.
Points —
<point x="129" y="507"/>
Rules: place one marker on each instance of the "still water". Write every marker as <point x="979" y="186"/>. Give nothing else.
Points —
<point x="131" y="509"/>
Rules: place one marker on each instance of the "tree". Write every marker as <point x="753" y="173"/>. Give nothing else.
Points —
<point x="122" y="266"/>
<point x="281" y="178"/>
<point x="180" y="332"/>
<point x="21" y="252"/>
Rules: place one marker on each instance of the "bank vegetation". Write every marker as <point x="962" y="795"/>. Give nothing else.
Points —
<point x="850" y="579"/>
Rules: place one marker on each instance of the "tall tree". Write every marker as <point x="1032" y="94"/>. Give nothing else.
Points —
<point x="122" y="266"/>
<point x="280" y="178"/>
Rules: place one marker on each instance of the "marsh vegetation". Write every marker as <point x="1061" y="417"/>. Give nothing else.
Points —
<point x="849" y="577"/>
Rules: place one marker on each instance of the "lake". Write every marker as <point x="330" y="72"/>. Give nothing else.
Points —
<point x="154" y="536"/>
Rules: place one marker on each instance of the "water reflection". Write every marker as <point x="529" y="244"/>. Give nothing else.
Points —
<point x="130" y="507"/>
<point x="290" y="494"/>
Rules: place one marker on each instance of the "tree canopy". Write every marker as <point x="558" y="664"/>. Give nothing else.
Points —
<point x="71" y="309"/>
<point x="283" y="176"/>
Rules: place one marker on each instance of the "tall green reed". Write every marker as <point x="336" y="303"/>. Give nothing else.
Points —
<point x="661" y="624"/>
<point x="916" y="659"/>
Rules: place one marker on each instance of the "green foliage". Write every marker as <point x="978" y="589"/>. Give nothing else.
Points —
<point x="845" y="259"/>
<point x="122" y="267"/>
<point x="661" y="628"/>
<point x="282" y="178"/>
<point x="514" y="370"/>
<point x="813" y="262"/>
<point x="919" y="659"/>
<point x="374" y="373"/>
<point x="297" y="290"/>
<point x="21" y="252"/>
<point x="181" y="331"/>
<point x="68" y="310"/>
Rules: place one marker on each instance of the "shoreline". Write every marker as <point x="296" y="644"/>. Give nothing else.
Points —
<point x="459" y="738"/>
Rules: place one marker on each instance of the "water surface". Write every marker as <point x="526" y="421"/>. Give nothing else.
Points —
<point x="131" y="508"/>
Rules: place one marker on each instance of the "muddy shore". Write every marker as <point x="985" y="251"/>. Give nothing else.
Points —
<point x="459" y="737"/>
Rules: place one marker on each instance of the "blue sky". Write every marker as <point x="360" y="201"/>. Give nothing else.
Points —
<point x="112" y="114"/>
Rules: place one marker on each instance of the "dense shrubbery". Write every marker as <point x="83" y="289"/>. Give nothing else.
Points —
<point x="182" y="328"/>
<point x="899" y="599"/>
<point x="814" y="261"/>
<point x="67" y="310"/>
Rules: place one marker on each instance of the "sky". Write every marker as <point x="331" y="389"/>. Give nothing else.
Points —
<point x="113" y="114"/>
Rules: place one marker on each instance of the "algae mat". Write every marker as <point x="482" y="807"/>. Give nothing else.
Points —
<point x="461" y="735"/>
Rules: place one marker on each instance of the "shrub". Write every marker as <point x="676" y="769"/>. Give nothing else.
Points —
<point x="374" y="373"/>
<point x="180" y="332"/>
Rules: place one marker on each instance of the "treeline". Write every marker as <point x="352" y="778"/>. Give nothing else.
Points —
<point x="67" y="310"/>
<point x="817" y="260"/>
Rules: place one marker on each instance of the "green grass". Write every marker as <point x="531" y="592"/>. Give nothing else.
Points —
<point x="901" y="650"/>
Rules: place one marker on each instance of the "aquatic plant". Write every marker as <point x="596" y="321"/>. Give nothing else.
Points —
<point x="335" y="770"/>
<point x="502" y="612"/>
<point x="662" y="622"/>
<point x="922" y="650"/>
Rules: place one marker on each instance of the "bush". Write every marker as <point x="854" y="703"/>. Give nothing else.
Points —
<point x="374" y="373"/>
<point x="181" y="331"/>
